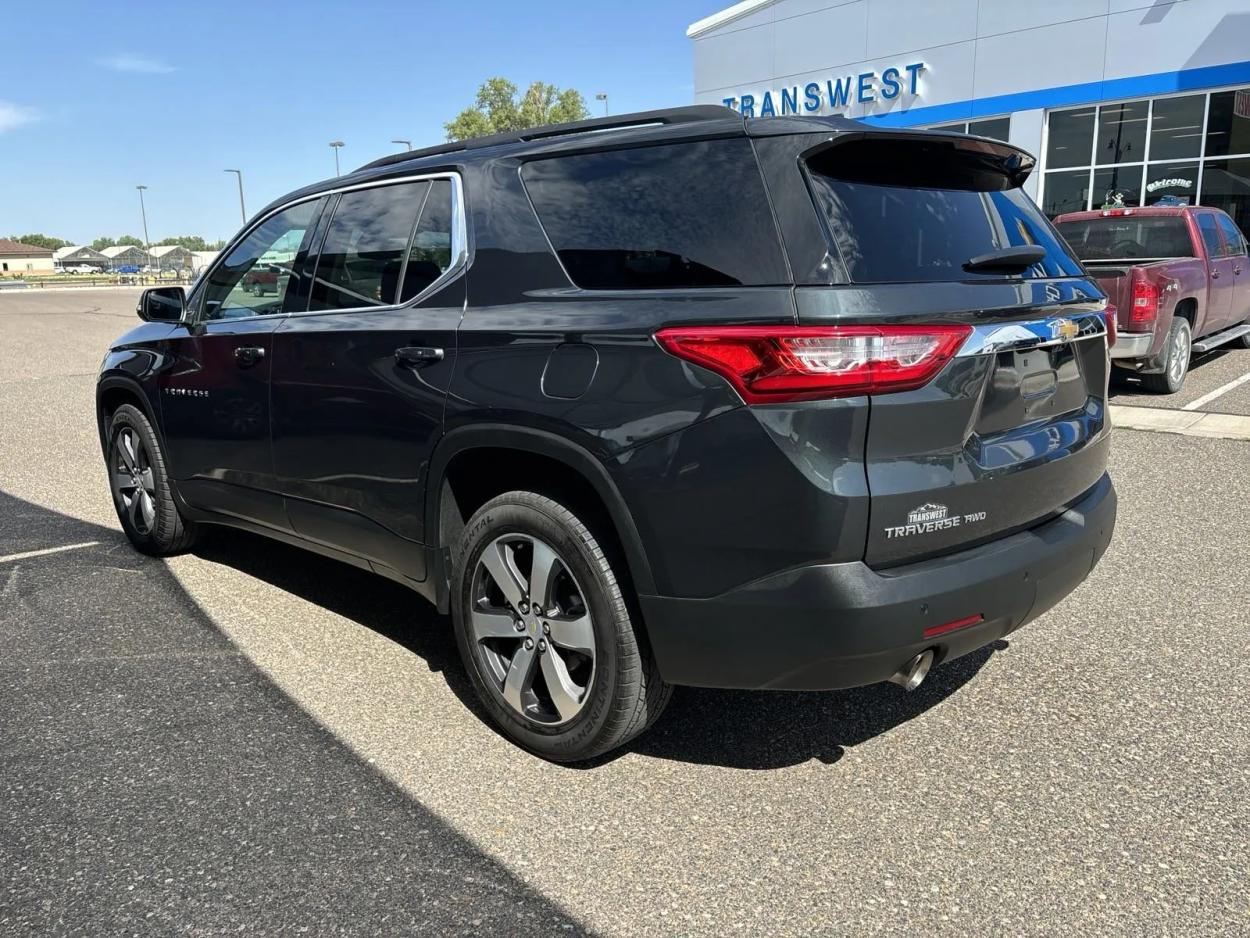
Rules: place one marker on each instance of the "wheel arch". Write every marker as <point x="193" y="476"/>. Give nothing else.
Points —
<point x="115" y="390"/>
<point x="1187" y="308"/>
<point x="443" y="512"/>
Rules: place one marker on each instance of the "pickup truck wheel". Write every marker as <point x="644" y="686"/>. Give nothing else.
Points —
<point x="1243" y="341"/>
<point x="140" y="486"/>
<point x="1176" y="353"/>
<point x="546" y="634"/>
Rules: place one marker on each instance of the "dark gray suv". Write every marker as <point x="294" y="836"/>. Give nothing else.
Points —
<point x="668" y="398"/>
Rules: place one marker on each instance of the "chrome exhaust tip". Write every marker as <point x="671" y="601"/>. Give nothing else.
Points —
<point x="912" y="674"/>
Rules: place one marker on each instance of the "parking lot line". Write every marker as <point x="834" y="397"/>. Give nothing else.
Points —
<point x="1218" y="392"/>
<point x="26" y="555"/>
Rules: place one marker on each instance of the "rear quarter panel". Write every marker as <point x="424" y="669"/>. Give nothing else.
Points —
<point x="1178" y="280"/>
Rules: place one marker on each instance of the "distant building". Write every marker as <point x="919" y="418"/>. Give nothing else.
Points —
<point x="78" y="254"/>
<point x="121" y="255"/>
<point x="201" y="259"/>
<point x="17" y="259"/>
<point x="172" y="257"/>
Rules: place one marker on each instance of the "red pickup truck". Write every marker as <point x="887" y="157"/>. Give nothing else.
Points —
<point x="1179" y="277"/>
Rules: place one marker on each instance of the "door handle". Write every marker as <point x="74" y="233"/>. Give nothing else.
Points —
<point x="1215" y="275"/>
<point x="247" y="355"/>
<point x="414" y="356"/>
<point x="1236" y="270"/>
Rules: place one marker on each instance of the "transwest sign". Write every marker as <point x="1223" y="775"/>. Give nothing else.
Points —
<point x="832" y="95"/>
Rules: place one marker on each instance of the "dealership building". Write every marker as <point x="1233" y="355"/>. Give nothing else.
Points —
<point x="1122" y="101"/>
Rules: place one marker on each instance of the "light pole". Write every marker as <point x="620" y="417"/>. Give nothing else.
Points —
<point x="144" y="211"/>
<point x="603" y="96"/>
<point x="242" y="210"/>
<point x="335" y="145"/>
<point x="407" y="143"/>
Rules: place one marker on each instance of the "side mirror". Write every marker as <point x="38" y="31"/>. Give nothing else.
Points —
<point x="162" y="304"/>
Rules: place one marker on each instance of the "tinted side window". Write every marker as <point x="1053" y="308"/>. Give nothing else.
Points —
<point x="429" y="255"/>
<point x="363" y="254"/>
<point x="256" y="276"/>
<point x="1234" y="243"/>
<point x="1210" y="234"/>
<point x="688" y="215"/>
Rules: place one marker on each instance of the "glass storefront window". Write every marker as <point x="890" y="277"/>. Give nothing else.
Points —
<point x="1121" y="133"/>
<point x="1070" y="137"/>
<point x="1176" y="127"/>
<point x="996" y="128"/>
<point x="1228" y="123"/>
<point x="1117" y="186"/>
<point x="1226" y="185"/>
<point x="1065" y="192"/>
<point x="1105" y="147"/>
<point x="1175" y="182"/>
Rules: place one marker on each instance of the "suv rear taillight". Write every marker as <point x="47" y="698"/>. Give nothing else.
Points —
<point x="768" y="364"/>
<point x="1110" y="314"/>
<point x="1145" y="309"/>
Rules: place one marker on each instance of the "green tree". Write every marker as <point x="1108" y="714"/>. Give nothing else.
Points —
<point x="190" y="242"/>
<point x="100" y="244"/>
<point x="497" y="109"/>
<point x="40" y="241"/>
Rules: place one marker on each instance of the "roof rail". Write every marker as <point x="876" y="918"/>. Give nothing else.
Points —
<point x="674" y="115"/>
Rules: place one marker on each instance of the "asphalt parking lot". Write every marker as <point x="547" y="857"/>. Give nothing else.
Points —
<point x="1216" y="373"/>
<point x="253" y="739"/>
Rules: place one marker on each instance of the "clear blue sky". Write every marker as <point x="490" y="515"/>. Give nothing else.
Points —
<point x="98" y="97"/>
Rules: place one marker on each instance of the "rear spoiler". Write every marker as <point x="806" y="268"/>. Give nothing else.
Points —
<point x="879" y="158"/>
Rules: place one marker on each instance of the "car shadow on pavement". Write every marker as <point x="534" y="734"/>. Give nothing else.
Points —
<point x="775" y="729"/>
<point x="738" y="729"/>
<point x="1126" y="382"/>
<point x="155" y="781"/>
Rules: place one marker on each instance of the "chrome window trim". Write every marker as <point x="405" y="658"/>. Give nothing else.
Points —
<point x="992" y="338"/>
<point x="459" y="245"/>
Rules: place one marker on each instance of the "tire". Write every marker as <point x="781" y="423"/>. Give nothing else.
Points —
<point x="1242" y="341"/>
<point x="579" y="702"/>
<point x="1175" y="360"/>
<point x="143" y="500"/>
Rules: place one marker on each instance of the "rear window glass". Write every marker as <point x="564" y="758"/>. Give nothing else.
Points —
<point x="1234" y="243"/>
<point x="363" y="254"/>
<point x="1210" y="234"/>
<point x="690" y="215"/>
<point x="1128" y="237"/>
<point x="901" y="212"/>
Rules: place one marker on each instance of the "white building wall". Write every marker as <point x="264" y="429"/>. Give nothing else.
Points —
<point x="1026" y="133"/>
<point x="16" y="264"/>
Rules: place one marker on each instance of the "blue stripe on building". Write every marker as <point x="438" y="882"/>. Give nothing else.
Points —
<point x="1093" y="92"/>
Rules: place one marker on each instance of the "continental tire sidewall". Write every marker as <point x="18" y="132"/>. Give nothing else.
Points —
<point x="581" y="737"/>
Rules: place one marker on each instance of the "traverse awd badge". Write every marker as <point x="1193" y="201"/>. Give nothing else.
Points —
<point x="931" y="517"/>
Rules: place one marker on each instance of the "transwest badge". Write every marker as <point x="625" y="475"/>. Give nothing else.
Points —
<point x="929" y="518"/>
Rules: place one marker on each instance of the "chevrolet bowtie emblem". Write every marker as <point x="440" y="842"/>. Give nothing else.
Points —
<point x="1064" y="329"/>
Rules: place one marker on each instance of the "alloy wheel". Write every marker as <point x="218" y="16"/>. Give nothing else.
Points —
<point x="134" y="485"/>
<point x="1179" y="362"/>
<point x="532" y="630"/>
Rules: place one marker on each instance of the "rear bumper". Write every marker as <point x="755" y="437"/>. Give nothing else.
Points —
<point x="1132" y="345"/>
<point x="842" y="625"/>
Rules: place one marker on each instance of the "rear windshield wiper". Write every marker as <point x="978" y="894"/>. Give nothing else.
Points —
<point x="1013" y="258"/>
